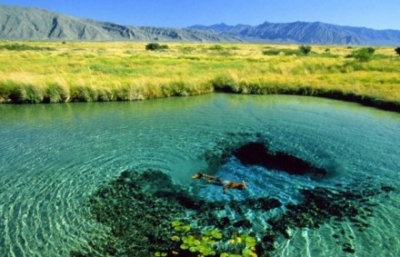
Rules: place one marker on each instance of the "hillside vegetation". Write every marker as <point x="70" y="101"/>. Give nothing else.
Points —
<point x="36" y="72"/>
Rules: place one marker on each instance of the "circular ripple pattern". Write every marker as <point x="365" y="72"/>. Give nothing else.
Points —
<point x="54" y="156"/>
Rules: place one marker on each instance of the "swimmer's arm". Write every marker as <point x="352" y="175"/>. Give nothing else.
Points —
<point x="208" y="176"/>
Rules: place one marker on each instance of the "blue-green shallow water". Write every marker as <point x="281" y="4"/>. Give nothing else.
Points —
<point x="54" y="156"/>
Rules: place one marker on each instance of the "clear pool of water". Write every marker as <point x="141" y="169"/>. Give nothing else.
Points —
<point x="54" y="156"/>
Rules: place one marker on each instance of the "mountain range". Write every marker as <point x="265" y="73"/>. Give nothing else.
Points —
<point x="27" y="23"/>
<point x="307" y="33"/>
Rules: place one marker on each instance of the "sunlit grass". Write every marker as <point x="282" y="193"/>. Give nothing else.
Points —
<point x="110" y="71"/>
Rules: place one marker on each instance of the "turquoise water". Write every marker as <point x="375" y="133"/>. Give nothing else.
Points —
<point x="54" y="156"/>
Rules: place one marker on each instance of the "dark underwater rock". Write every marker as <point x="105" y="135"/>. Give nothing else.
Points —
<point x="348" y="248"/>
<point x="244" y="223"/>
<point x="256" y="153"/>
<point x="252" y="149"/>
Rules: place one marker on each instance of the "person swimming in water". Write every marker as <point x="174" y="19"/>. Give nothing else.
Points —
<point x="226" y="184"/>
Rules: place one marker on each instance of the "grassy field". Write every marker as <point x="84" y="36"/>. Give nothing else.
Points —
<point x="36" y="72"/>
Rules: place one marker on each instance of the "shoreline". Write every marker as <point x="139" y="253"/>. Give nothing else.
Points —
<point x="302" y="91"/>
<point x="50" y="72"/>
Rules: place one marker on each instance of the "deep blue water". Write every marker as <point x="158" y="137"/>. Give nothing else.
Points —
<point x="54" y="156"/>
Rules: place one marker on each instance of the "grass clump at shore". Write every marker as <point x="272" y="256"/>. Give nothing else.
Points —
<point x="126" y="71"/>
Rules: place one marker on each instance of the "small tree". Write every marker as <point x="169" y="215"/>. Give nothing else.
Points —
<point x="363" y="54"/>
<point x="397" y="50"/>
<point x="155" y="46"/>
<point x="305" y="49"/>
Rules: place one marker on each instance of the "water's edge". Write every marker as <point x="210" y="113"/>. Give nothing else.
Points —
<point x="301" y="91"/>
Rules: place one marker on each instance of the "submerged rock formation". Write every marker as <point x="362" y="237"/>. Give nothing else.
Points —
<point x="252" y="149"/>
<point x="256" y="153"/>
<point x="138" y="208"/>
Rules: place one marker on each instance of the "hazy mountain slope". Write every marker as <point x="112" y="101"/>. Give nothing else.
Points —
<point x="307" y="32"/>
<point x="23" y="23"/>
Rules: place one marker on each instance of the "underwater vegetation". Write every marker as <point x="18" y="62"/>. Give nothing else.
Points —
<point x="146" y="214"/>
<point x="197" y="243"/>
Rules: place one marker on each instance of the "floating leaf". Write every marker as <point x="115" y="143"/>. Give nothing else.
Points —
<point x="175" y="238"/>
<point x="209" y="252"/>
<point x="176" y="223"/>
<point x="250" y="241"/>
<point x="193" y="249"/>
<point x="249" y="253"/>
<point x="216" y="234"/>
<point x="159" y="254"/>
<point x="207" y="233"/>
<point x="205" y="239"/>
<point x="196" y="242"/>
<point x="188" y="239"/>
<point x="185" y="228"/>
<point x="184" y="246"/>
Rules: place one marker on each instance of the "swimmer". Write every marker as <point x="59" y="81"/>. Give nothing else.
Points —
<point x="226" y="184"/>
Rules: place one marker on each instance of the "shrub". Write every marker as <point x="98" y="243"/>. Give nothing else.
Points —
<point x="278" y="51"/>
<point x="397" y="50"/>
<point x="23" y="47"/>
<point x="363" y="54"/>
<point x="272" y="52"/>
<point x="155" y="47"/>
<point x="216" y="48"/>
<point x="290" y="52"/>
<point x="305" y="49"/>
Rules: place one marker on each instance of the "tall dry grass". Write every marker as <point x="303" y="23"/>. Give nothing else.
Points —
<point x="53" y="72"/>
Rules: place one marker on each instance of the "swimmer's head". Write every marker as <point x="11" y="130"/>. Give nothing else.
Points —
<point x="197" y="175"/>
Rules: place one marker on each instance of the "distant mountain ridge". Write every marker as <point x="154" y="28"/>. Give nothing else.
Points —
<point x="27" y="23"/>
<point x="307" y="32"/>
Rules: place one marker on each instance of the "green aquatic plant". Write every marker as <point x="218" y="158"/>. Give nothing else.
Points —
<point x="160" y="254"/>
<point x="245" y="243"/>
<point x="199" y="244"/>
<point x="180" y="227"/>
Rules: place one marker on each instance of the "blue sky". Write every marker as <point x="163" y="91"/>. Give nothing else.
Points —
<point x="377" y="14"/>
